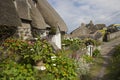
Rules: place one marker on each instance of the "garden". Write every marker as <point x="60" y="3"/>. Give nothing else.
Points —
<point x="37" y="60"/>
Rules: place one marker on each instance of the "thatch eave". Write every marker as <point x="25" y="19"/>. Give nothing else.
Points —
<point x="37" y="19"/>
<point x="23" y="9"/>
<point x="51" y="17"/>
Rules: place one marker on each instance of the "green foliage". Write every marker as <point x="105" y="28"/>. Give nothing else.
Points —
<point x="6" y="32"/>
<point x="14" y="71"/>
<point x="18" y="59"/>
<point x="77" y="43"/>
<point x="114" y="68"/>
<point x="74" y="44"/>
<point x="88" y="59"/>
<point x="60" y="67"/>
<point x="53" y="30"/>
<point x="96" y="53"/>
<point x="103" y="31"/>
<point x="83" y="67"/>
<point x="92" y="41"/>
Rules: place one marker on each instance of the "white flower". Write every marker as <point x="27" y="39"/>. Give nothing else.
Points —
<point x="54" y="64"/>
<point x="42" y="68"/>
<point x="53" y="57"/>
<point x="36" y="38"/>
<point x="32" y="49"/>
<point x="71" y="39"/>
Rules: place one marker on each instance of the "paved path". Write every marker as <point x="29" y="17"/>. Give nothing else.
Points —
<point x="106" y="51"/>
<point x="108" y="46"/>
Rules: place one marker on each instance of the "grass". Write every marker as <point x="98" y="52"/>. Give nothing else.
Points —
<point x="96" y="67"/>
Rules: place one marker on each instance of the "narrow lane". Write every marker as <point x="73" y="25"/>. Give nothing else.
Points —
<point x="106" y="50"/>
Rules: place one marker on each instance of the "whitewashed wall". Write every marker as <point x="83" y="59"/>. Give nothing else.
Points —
<point x="57" y="40"/>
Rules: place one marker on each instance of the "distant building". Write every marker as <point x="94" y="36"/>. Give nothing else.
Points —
<point x="82" y="31"/>
<point x="91" y="26"/>
<point x="100" y="26"/>
<point x="88" y="31"/>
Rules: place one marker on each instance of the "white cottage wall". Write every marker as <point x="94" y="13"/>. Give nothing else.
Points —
<point x="57" y="40"/>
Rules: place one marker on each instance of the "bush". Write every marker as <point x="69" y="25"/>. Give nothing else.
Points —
<point x="74" y="47"/>
<point x="19" y="59"/>
<point x="14" y="71"/>
<point x="88" y="59"/>
<point x="114" y="68"/>
<point x="74" y="44"/>
<point x="53" y="30"/>
<point x="6" y="32"/>
<point x="96" y="53"/>
<point x="83" y="67"/>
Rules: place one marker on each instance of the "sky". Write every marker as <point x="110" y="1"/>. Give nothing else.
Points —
<point x="75" y="12"/>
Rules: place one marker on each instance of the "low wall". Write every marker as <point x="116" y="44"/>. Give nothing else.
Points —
<point x="113" y="35"/>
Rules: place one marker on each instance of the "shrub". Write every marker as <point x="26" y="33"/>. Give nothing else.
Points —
<point x="74" y="44"/>
<point x="74" y="47"/>
<point x="83" y="67"/>
<point x="114" y="67"/>
<point x="88" y="59"/>
<point x="14" y="71"/>
<point x="53" y="30"/>
<point x="19" y="58"/>
<point x="6" y="32"/>
<point x="96" y="53"/>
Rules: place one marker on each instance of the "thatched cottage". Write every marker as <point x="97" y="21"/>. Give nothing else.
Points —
<point x="32" y="18"/>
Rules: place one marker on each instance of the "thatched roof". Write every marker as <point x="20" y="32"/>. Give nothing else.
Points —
<point x="8" y="14"/>
<point x="81" y="31"/>
<point x="100" y="26"/>
<point x="23" y="9"/>
<point x="50" y="15"/>
<point x="37" y="19"/>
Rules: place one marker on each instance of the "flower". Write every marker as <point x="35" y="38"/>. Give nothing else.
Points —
<point x="42" y="68"/>
<point x="36" y="38"/>
<point x="54" y="64"/>
<point x="53" y="57"/>
<point x="32" y="49"/>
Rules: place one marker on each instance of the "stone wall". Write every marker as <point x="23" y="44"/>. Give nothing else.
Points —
<point x="113" y="35"/>
<point x="24" y="32"/>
